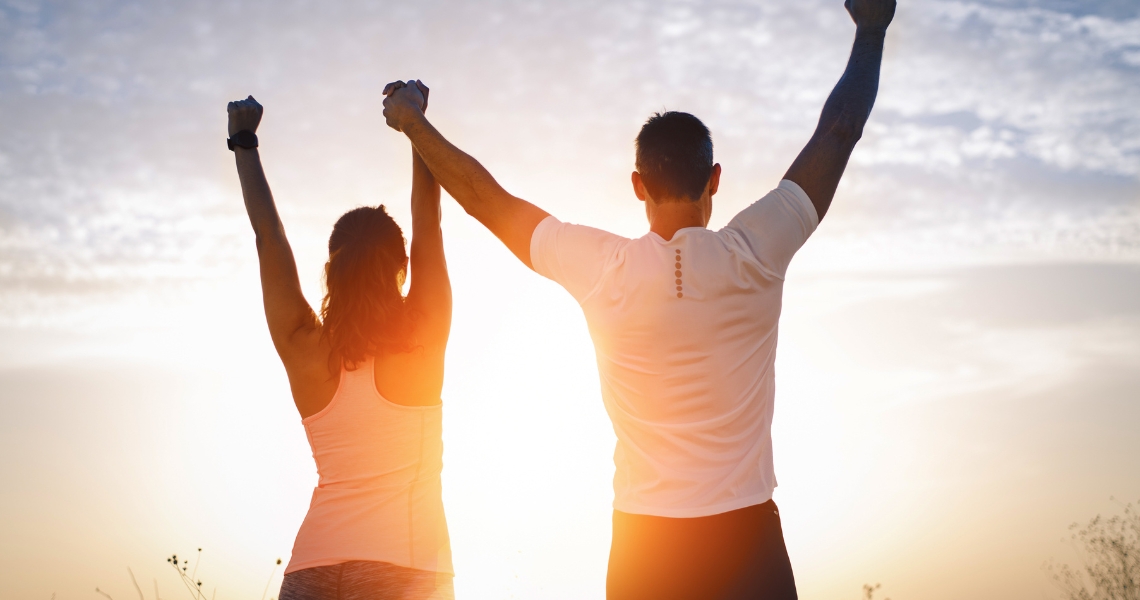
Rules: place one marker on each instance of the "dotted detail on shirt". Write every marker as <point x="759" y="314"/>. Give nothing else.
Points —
<point x="680" y="284"/>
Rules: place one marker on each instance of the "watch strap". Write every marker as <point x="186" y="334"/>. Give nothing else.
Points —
<point x="244" y="139"/>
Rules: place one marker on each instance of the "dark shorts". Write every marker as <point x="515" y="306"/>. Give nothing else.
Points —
<point x="366" y="580"/>
<point x="735" y="555"/>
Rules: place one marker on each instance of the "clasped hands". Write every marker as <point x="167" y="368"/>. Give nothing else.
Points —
<point x="404" y="100"/>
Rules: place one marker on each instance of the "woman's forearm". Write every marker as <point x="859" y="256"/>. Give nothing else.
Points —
<point x="425" y="198"/>
<point x="259" y="203"/>
<point x="430" y="293"/>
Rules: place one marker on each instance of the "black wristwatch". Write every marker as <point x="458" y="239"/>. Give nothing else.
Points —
<point x="244" y="138"/>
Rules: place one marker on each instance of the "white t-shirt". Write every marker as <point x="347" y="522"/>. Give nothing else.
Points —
<point x="685" y="336"/>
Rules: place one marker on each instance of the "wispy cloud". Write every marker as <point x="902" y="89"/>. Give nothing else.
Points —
<point x="1000" y="124"/>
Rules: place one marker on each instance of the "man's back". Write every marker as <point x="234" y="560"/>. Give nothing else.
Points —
<point x="685" y="334"/>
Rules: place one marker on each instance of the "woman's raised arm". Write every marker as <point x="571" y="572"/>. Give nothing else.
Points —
<point x="292" y="323"/>
<point x="430" y="292"/>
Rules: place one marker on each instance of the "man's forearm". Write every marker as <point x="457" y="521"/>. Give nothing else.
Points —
<point x="462" y="176"/>
<point x="821" y="163"/>
<point x="511" y="219"/>
<point x="849" y="105"/>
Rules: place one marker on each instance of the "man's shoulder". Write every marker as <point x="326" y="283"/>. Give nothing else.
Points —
<point x="552" y="225"/>
<point x="772" y="209"/>
<point x="574" y="255"/>
<point x="559" y="236"/>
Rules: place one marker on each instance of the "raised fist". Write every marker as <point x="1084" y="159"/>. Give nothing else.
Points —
<point x="244" y="114"/>
<point x="403" y="101"/>
<point x="871" y="14"/>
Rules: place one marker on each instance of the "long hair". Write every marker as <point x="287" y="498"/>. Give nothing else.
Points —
<point x="363" y="311"/>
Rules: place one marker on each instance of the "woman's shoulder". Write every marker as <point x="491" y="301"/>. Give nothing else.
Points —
<point x="313" y="373"/>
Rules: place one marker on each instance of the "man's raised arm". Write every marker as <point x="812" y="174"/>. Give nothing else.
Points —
<point x="821" y="163"/>
<point x="511" y="219"/>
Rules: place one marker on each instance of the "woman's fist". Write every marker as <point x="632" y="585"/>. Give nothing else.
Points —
<point x="244" y="114"/>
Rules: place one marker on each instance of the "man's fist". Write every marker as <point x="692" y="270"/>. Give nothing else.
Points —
<point x="871" y="14"/>
<point x="404" y="100"/>
<point x="244" y="114"/>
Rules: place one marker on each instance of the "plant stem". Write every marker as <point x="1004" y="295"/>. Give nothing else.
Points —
<point x="271" y="574"/>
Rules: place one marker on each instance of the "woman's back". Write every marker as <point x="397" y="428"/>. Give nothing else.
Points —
<point x="410" y="379"/>
<point x="378" y="497"/>
<point x="375" y="526"/>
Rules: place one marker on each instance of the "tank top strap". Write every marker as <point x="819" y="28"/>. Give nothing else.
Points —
<point x="359" y="382"/>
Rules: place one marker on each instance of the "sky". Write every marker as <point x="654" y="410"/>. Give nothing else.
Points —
<point x="957" y="372"/>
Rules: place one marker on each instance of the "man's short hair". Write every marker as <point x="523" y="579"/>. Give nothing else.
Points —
<point x="674" y="156"/>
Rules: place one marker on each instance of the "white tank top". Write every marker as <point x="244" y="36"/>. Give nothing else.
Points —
<point x="379" y="496"/>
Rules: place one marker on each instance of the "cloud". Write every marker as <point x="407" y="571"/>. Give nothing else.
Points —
<point x="999" y="124"/>
<point x="1059" y="85"/>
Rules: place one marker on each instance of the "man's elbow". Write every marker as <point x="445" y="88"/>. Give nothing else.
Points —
<point x="482" y="204"/>
<point x="470" y="205"/>
<point x="847" y="129"/>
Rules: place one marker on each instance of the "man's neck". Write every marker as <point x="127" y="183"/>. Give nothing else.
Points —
<point x="669" y="217"/>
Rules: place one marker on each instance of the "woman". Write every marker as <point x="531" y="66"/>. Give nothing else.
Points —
<point x="366" y="376"/>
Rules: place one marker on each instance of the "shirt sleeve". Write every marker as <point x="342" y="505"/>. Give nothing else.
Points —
<point x="574" y="256"/>
<point x="774" y="227"/>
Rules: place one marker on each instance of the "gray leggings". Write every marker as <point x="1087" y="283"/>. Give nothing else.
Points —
<point x="366" y="580"/>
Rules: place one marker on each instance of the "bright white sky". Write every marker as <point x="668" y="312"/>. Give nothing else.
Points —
<point x="958" y="372"/>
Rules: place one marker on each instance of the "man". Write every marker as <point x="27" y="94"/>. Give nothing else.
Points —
<point x="684" y="323"/>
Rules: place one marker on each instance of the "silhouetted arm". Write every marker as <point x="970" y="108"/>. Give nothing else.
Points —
<point x="511" y="219"/>
<point x="292" y="321"/>
<point x="821" y="163"/>
<point x="430" y="292"/>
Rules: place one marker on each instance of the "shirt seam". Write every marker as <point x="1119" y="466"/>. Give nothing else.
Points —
<point x="536" y="239"/>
